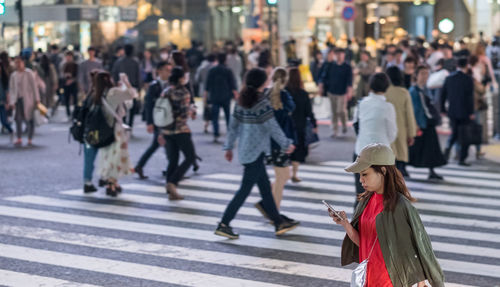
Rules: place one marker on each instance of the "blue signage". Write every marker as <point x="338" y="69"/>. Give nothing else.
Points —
<point x="348" y="13"/>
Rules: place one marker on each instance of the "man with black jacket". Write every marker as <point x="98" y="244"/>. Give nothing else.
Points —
<point x="130" y="66"/>
<point x="220" y="89"/>
<point x="154" y="92"/>
<point x="458" y="90"/>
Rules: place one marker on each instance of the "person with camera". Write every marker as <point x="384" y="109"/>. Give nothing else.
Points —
<point x="386" y="228"/>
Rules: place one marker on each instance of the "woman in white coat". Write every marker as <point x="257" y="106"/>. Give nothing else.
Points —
<point x="376" y="120"/>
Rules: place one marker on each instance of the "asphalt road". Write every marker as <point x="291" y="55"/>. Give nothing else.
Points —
<point x="51" y="234"/>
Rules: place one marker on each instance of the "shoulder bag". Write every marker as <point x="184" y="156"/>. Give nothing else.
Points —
<point x="358" y="278"/>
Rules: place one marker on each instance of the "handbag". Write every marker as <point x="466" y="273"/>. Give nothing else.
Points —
<point x="311" y="136"/>
<point x="39" y="119"/>
<point x="470" y="133"/>
<point x="358" y="277"/>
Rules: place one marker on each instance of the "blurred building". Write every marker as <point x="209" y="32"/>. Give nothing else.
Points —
<point x="67" y="22"/>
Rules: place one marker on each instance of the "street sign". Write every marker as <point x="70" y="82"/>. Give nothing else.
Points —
<point x="348" y="13"/>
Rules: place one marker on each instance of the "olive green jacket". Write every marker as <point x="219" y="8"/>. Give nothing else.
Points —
<point x="405" y="245"/>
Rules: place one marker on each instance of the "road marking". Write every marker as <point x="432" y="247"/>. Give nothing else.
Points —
<point x="11" y="278"/>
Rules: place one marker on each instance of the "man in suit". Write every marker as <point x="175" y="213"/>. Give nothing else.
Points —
<point x="458" y="91"/>
<point x="154" y="92"/>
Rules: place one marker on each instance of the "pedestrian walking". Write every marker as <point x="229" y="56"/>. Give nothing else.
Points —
<point x="4" y="100"/>
<point x="148" y="67"/>
<point x="254" y="124"/>
<point x="201" y="78"/>
<point x="114" y="159"/>
<point x="376" y="120"/>
<point x="315" y="66"/>
<point x="235" y="64"/>
<point x="480" y="101"/>
<point x="283" y="106"/>
<point x="337" y="76"/>
<point x="87" y="66"/>
<point x="70" y="81"/>
<point x="410" y="64"/>
<point x="48" y="74"/>
<point x="426" y="150"/>
<point x="458" y="92"/>
<point x="130" y="67"/>
<point x="177" y="136"/>
<point x="219" y="91"/>
<point x="303" y="119"/>
<point x="24" y="97"/>
<point x="155" y="89"/>
<point x="365" y="69"/>
<point x="399" y="97"/>
<point x="386" y="228"/>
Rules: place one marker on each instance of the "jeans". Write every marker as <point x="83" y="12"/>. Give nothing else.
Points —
<point x="3" y="119"/>
<point x="70" y="92"/>
<point x="89" y="155"/>
<point x="215" y="115"/>
<point x="175" y="143"/>
<point x="253" y="173"/>
<point x="150" y="151"/>
<point x="464" y="149"/>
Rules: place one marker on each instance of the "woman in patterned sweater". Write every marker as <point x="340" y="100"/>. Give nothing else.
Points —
<point x="254" y="124"/>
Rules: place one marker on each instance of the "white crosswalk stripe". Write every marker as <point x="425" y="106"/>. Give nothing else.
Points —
<point x="146" y="238"/>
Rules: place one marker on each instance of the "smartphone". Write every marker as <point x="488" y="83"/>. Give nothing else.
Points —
<point x="332" y="209"/>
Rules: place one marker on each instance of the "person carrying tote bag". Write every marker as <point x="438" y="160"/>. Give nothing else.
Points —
<point x="402" y="253"/>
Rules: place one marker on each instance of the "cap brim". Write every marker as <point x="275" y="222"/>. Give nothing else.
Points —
<point x="357" y="166"/>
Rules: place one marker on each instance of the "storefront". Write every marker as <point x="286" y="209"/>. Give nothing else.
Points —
<point x="83" y="24"/>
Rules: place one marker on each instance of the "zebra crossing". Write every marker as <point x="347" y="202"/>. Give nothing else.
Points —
<point x="142" y="239"/>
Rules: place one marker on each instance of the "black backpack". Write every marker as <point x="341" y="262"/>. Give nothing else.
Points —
<point x="77" y="128"/>
<point x="97" y="132"/>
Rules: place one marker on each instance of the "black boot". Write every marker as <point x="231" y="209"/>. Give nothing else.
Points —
<point x="89" y="188"/>
<point x="140" y="172"/>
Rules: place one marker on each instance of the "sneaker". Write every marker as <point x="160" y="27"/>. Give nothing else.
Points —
<point x="435" y="176"/>
<point x="102" y="182"/>
<point x="285" y="226"/>
<point x="226" y="231"/>
<point x="463" y="163"/>
<point x="286" y="218"/>
<point x="259" y="207"/>
<point x="89" y="188"/>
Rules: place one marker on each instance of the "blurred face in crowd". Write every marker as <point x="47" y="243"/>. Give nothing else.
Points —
<point x="448" y="53"/>
<point x="19" y="63"/>
<point x="364" y="57"/>
<point x="120" y="53"/>
<point x="371" y="180"/>
<point x="422" y="77"/>
<point x="331" y="56"/>
<point x="319" y="57"/>
<point x="409" y="67"/>
<point x="91" y="53"/>
<point x="68" y="58"/>
<point x="340" y="57"/>
<point x="164" y="72"/>
<point x="147" y="55"/>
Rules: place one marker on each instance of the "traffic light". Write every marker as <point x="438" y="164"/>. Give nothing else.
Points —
<point x="2" y="7"/>
<point x="272" y="2"/>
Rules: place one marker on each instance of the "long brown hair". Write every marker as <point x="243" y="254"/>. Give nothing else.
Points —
<point x="279" y="79"/>
<point x="103" y="83"/>
<point x="394" y="185"/>
<point x="294" y="80"/>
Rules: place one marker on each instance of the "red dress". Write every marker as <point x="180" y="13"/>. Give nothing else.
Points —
<point x="376" y="273"/>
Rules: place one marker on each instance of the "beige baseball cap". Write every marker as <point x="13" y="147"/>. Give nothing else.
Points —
<point x="372" y="154"/>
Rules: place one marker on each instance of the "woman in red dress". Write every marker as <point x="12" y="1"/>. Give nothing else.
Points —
<point x="386" y="228"/>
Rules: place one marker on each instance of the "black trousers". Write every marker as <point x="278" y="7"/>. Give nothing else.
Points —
<point x="150" y="151"/>
<point x="253" y="173"/>
<point x="464" y="149"/>
<point x="70" y="93"/>
<point x="132" y="112"/>
<point x="175" y="144"/>
<point x="357" y="184"/>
